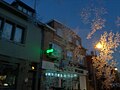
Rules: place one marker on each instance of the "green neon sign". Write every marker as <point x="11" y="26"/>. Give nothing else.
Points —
<point x="49" y="51"/>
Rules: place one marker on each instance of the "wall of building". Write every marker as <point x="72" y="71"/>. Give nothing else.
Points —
<point x="16" y="58"/>
<point x="30" y="50"/>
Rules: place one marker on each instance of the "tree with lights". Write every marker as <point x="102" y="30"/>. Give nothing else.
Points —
<point x="104" y="63"/>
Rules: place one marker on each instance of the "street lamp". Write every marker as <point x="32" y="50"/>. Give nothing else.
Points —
<point x="116" y="68"/>
<point x="99" y="45"/>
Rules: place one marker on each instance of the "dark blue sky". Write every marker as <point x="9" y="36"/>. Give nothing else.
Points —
<point x="68" y="13"/>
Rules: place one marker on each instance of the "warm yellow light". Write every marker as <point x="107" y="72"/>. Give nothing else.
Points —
<point x="99" y="45"/>
<point x="33" y="67"/>
<point x="116" y="69"/>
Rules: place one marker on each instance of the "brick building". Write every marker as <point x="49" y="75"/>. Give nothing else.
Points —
<point x="66" y="66"/>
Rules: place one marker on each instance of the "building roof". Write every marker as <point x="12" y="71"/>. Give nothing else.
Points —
<point x="11" y="9"/>
<point x="56" y="21"/>
<point x="18" y="2"/>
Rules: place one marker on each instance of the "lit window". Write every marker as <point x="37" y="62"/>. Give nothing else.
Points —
<point x="59" y="32"/>
<point x="18" y="35"/>
<point x="8" y="76"/>
<point x="69" y="55"/>
<point x="7" y="31"/>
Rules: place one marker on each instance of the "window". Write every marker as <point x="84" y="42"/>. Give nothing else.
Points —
<point x="59" y="32"/>
<point x="8" y="75"/>
<point x="18" y="35"/>
<point x="57" y="50"/>
<point x="81" y="59"/>
<point x="13" y="32"/>
<point x="69" y="55"/>
<point x="24" y="10"/>
<point x="7" y="31"/>
<point x="29" y="13"/>
<point x="20" y="8"/>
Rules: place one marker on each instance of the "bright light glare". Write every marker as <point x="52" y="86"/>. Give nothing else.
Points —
<point x="99" y="45"/>
<point x="116" y="69"/>
<point x="5" y="84"/>
<point x="33" y="67"/>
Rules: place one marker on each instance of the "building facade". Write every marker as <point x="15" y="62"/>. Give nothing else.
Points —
<point x="25" y="63"/>
<point x="20" y="44"/>
<point x="65" y="67"/>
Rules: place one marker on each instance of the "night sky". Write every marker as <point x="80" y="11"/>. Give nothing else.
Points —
<point x="68" y="12"/>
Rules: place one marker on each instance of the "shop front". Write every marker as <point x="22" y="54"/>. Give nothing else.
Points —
<point x="57" y="79"/>
<point x="8" y="76"/>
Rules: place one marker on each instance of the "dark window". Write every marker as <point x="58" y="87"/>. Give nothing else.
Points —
<point x="29" y="13"/>
<point x="20" y="8"/>
<point x="13" y="32"/>
<point x="7" y="31"/>
<point x="25" y="10"/>
<point x="18" y="35"/>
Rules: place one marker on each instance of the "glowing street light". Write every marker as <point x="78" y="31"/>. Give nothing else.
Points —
<point x="33" y="68"/>
<point x="116" y="69"/>
<point x="99" y="46"/>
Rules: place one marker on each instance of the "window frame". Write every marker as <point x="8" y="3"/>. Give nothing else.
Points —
<point x="57" y="48"/>
<point x="10" y="23"/>
<point x="25" y="11"/>
<point x="20" y="8"/>
<point x="30" y="13"/>
<point x="22" y="34"/>
<point x="12" y="34"/>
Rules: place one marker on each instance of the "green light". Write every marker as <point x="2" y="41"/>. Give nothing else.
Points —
<point x="65" y="75"/>
<point x="49" y="51"/>
<point x="75" y="75"/>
